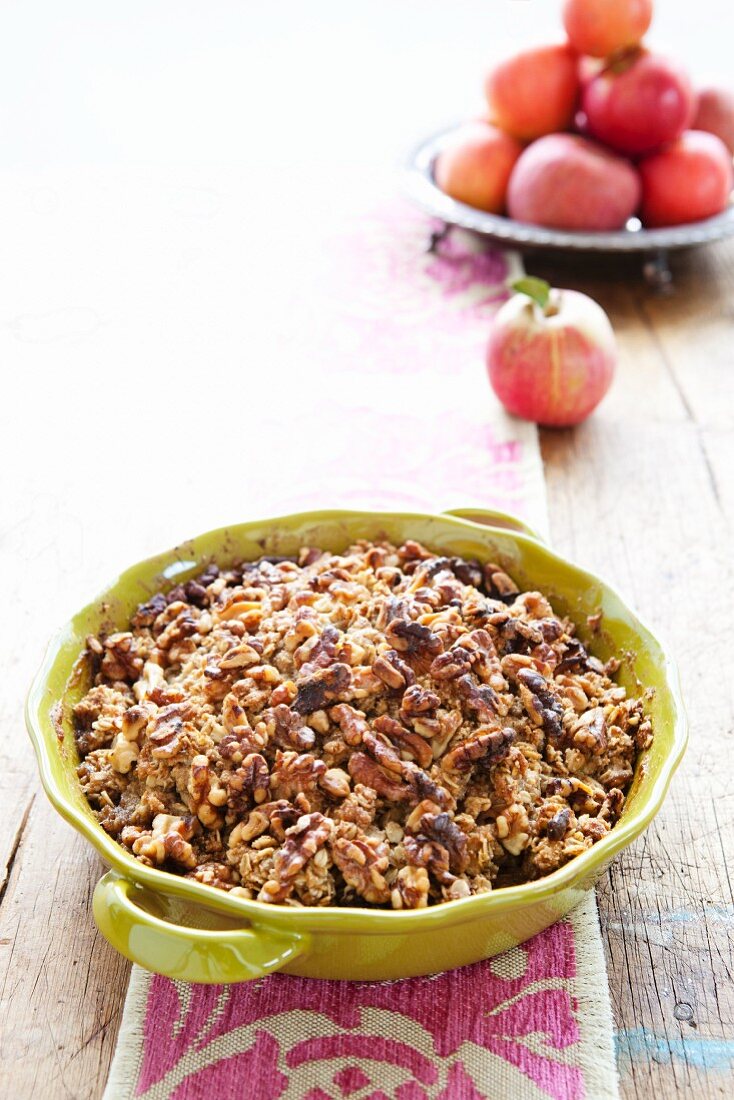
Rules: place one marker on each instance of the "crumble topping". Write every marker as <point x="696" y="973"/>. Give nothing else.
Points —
<point x="385" y="727"/>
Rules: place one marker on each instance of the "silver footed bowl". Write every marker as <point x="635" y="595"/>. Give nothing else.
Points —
<point x="421" y="187"/>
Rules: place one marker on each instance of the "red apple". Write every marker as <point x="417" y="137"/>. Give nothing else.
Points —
<point x="715" y="114"/>
<point x="551" y="354"/>
<point x="599" y="28"/>
<point x="475" y="164"/>
<point x="535" y="92"/>
<point x="638" y="103"/>
<point x="567" y="182"/>
<point x="690" y="180"/>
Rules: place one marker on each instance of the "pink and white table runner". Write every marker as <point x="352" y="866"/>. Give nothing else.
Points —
<point x="531" y="1024"/>
<point x="383" y="403"/>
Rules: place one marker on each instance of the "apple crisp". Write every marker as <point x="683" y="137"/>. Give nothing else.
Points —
<point x="384" y="727"/>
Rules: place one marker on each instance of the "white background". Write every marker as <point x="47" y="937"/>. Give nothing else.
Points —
<point x="212" y="82"/>
<point x="165" y="169"/>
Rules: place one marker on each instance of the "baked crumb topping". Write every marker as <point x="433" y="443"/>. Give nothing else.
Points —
<point x="384" y="728"/>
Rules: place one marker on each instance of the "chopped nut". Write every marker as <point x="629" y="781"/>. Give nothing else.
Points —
<point x="543" y="707"/>
<point x="335" y="782"/>
<point x="213" y="874"/>
<point x="393" y="670"/>
<point x="440" y="827"/>
<point x="589" y="731"/>
<point x="205" y="793"/>
<point x="556" y="827"/>
<point x="411" y="889"/>
<point x="351" y="722"/>
<point x="419" y="701"/>
<point x="239" y="656"/>
<point x="369" y="773"/>
<point x="432" y="855"/>
<point x="319" y="721"/>
<point x="385" y="726"/>
<point x="405" y="740"/>
<point x="124" y="754"/>
<point x="122" y="659"/>
<point x="134" y="721"/>
<point x="460" y="888"/>
<point x="248" y="783"/>
<point x="362" y="861"/>
<point x="167" y="840"/>
<point x="411" y="638"/>
<point x="450" y="665"/>
<point x="574" y="658"/>
<point x="302" y="841"/>
<point x="166" y="734"/>
<point x="498" y="583"/>
<point x="285" y="729"/>
<point x="486" y="746"/>
<point x="481" y="699"/>
<point x="295" y="772"/>
<point x="322" y="688"/>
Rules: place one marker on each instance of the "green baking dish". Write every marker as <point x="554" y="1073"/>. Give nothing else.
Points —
<point x="186" y="930"/>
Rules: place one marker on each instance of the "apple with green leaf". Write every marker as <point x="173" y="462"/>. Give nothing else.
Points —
<point x="551" y="354"/>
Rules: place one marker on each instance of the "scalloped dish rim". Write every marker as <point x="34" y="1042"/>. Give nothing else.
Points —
<point x="589" y="864"/>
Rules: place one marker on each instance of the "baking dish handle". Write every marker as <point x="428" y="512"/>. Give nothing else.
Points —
<point x="489" y="517"/>
<point x="188" y="954"/>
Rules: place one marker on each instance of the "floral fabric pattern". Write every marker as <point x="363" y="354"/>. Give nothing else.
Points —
<point x="534" y="1023"/>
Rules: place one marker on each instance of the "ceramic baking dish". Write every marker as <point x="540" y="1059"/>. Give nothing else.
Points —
<point x="184" y="929"/>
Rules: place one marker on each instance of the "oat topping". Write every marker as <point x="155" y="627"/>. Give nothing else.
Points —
<point x="384" y="727"/>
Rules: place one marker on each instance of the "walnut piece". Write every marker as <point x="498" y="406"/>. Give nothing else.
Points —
<point x="302" y="842"/>
<point x="363" y="862"/>
<point x="321" y="689"/>
<point x="385" y="726"/>
<point x="411" y="888"/>
<point x="168" y="839"/>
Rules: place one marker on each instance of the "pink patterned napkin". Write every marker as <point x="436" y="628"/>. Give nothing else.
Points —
<point x="532" y="1023"/>
<point x="391" y="409"/>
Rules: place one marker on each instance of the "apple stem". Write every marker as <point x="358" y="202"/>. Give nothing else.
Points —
<point x="621" y="60"/>
<point x="538" y="290"/>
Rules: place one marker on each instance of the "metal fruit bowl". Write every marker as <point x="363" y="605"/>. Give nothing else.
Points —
<point x="652" y="243"/>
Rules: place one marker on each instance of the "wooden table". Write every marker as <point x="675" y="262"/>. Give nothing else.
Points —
<point x="643" y="493"/>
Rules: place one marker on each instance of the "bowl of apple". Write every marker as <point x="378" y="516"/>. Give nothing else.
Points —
<point x="596" y="143"/>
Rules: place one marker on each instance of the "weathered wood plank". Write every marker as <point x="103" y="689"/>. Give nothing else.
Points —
<point x="643" y="495"/>
<point x="62" y="986"/>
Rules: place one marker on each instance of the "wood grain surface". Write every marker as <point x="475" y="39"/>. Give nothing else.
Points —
<point x="643" y="493"/>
